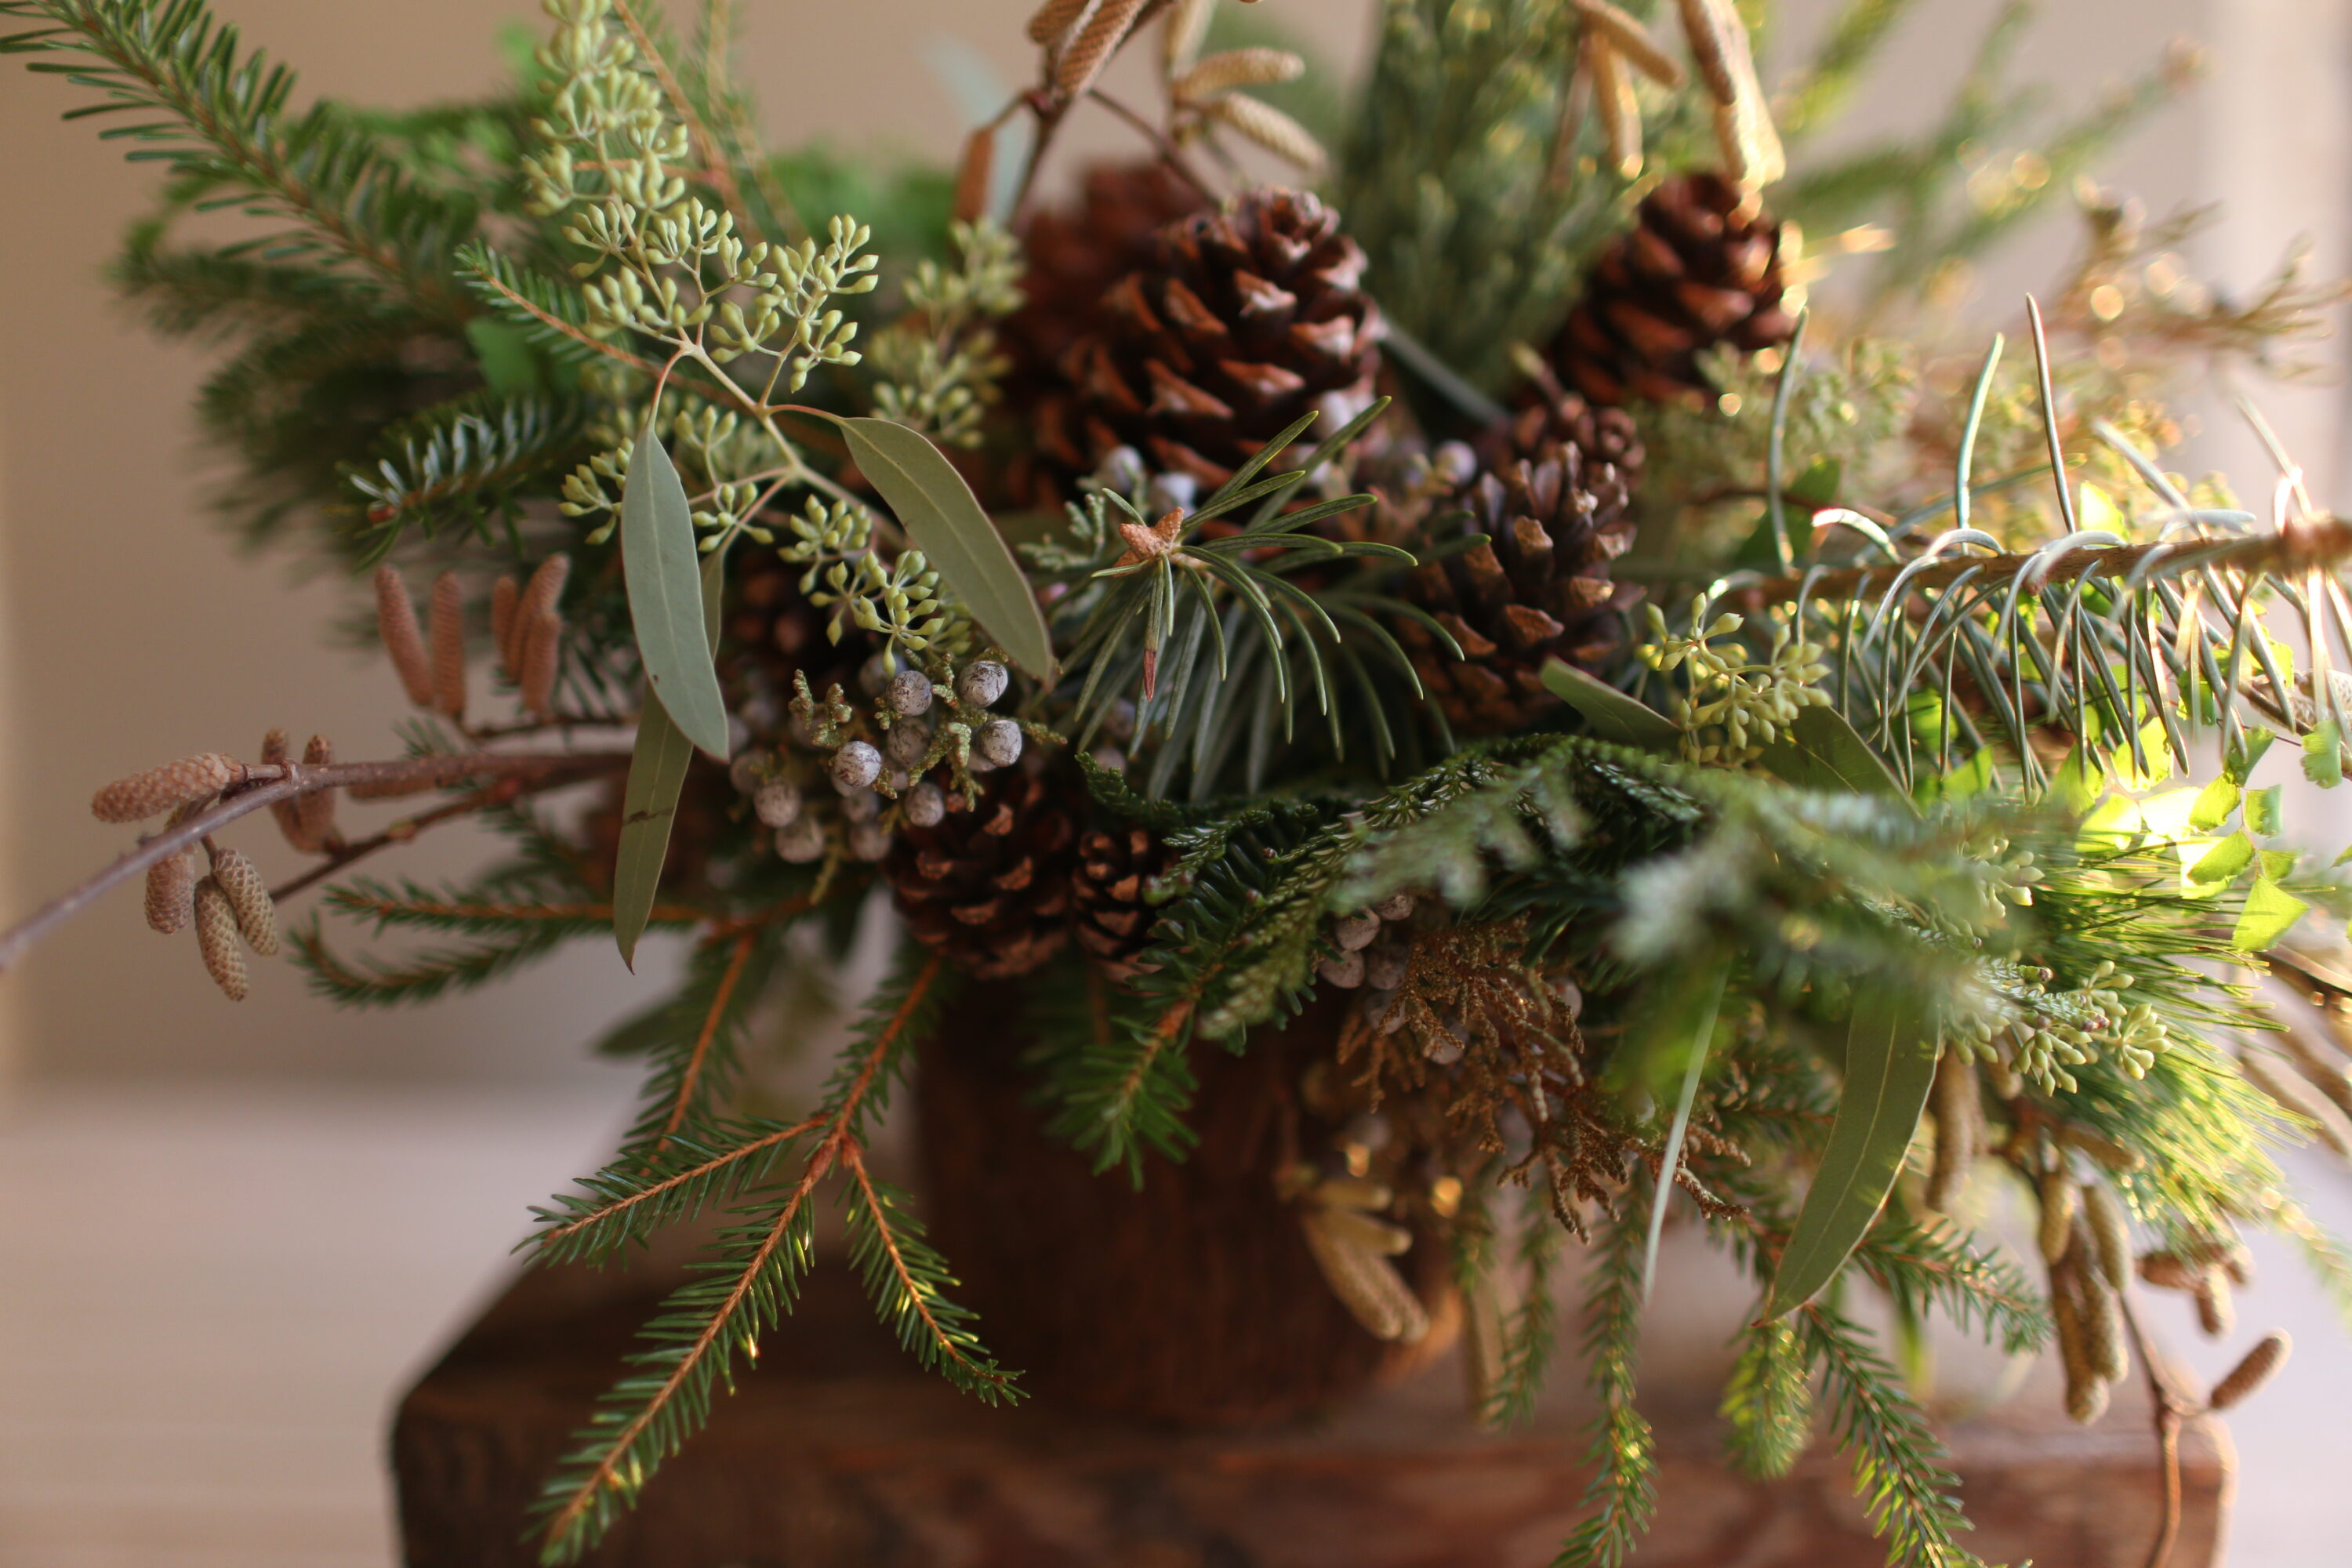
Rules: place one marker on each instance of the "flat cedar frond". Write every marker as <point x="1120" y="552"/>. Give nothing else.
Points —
<point x="623" y="1205"/>
<point x="218" y="112"/>
<point x="1768" y="1403"/>
<point x="1623" y="1491"/>
<point x="1919" y="1264"/>
<point x="1900" y="1463"/>
<point x="744" y="1288"/>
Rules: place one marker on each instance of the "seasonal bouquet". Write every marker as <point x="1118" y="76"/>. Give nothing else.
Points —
<point x="1437" y="666"/>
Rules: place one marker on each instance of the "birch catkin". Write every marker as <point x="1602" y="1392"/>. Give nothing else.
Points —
<point x="2057" y="1233"/>
<point x="159" y="790"/>
<point x="542" y="596"/>
<point x="1960" y="1121"/>
<point x="1054" y="18"/>
<point x="1630" y="39"/>
<point x="1361" y="1276"/>
<point x="1237" y="67"/>
<point x="171" y="892"/>
<point x="542" y="650"/>
<point x="217" y="940"/>
<point x="1093" y="43"/>
<point x="395" y="623"/>
<point x="1620" y="109"/>
<point x="318" y="808"/>
<point x="2250" y="1375"/>
<point x="240" y="880"/>
<point x="1271" y="129"/>
<point x="447" y="626"/>
<point x="506" y="596"/>
<point x="1186" y="26"/>
<point x="2110" y="1233"/>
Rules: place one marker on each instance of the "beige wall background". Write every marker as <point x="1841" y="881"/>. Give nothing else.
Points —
<point x="134" y="634"/>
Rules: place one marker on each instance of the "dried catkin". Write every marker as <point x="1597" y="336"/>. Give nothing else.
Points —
<point x="395" y="623"/>
<point x="2086" y="1390"/>
<point x="447" y="626"/>
<point x="1271" y="129"/>
<point x="1053" y="18"/>
<point x="2217" y="1310"/>
<point x="2057" y="1231"/>
<point x="2252" y="1372"/>
<point x="505" y="594"/>
<point x="1482" y="1342"/>
<point x="1717" y="39"/>
<point x="159" y="790"/>
<point x="542" y="650"/>
<point x="1186" y="26"/>
<point x="2103" y="1324"/>
<point x="2165" y="1271"/>
<point x="1631" y="40"/>
<point x="2110" y="1233"/>
<point x="1960" y="1121"/>
<point x="1619" y="108"/>
<point x="249" y="898"/>
<point x="1092" y="45"/>
<point x="542" y="595"/>
<point x="171" y="892"/>
<point x="1361" y="1276"/>
<point x="1236" y="68"/>
<point x="275" y="752"/>
<point x="318" y="808"/>
<point x="2299" y="1096"/>
<point x="973" y="173"/>
<point x="217" y="940"/>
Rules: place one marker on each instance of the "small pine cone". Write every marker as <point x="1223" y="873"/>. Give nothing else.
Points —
<point x="989" y="886"/>
<point x="1702" y="265"/>
<point x="446" y="620"/>
<point x="159" y="790"/>
<point x="1556" y="418"/>
<point x="171" y="892"/>
<point x="1115" y="872"/>
<point x="542" y="656"/>
<point x="217" y="936"/>
<point x="318" y="808"/>
<point x="1250" y="316"/>
<point x="249" y="898"/>
<point x="506" y="598"/>
<point x="395" y="623"/>
<point x="2251" y="1373"/>
<point x="1538" y="589"/>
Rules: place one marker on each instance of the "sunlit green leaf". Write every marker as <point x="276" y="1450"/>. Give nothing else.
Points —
<point x="1822" y="751"/>
<point x="663" y="573"/>
<point x="1609" y="713"/>
<point x="2270" y="913"/>
<point x="2264" y="816"/>
<point x="2224" y="860"/>
<point x="2323" y="756"/>
<point x="2214" y="803"/>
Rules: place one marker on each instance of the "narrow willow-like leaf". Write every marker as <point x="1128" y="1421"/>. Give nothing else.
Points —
<point x="1822" y="751"/>
<point x="1707" y="996"/>
<point x="1613" y="715"/>
<point x="664" y="573"/>
<point x="944" y="520"/>
<point x="649" y="801"/>
<point x="1888" y="1068"/>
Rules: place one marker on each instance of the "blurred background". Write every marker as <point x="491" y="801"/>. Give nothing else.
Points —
<point x="228" y="1234"/>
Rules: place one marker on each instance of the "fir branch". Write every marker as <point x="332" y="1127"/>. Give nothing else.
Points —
<point x="1899" y="1463"/>
<point x="1531" y="1331"/>
<point x="371" y="981"/>
<point x="1768" y="1401"/>
<point x="472" y="450"/>
<point x="1934" y="1264"/>
<point x="1623" y="1491"/>
<point x="908" y="1279"/>
<point x="623" y="1205"/>
<point x="695" y="1069"/>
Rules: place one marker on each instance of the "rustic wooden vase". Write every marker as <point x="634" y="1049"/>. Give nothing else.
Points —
<point x="1191" y="1298"/>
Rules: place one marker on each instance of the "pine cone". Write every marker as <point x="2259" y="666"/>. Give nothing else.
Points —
<point x="1115" y="870"/>
<point x="1701" y="267"/>
<point x="1553" y="418"/>
<point x="1538" y="588"/>
<point x="990" y="886"/>
<point x="1251" y="316"/>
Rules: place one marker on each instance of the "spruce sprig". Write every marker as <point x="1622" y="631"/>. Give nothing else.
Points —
<point x="1900" y="1466"/>
<point x="1623" y="1492"/>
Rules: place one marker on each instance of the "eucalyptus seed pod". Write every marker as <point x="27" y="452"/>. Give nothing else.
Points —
<point x="446" y="630"/>
<point x="542" y="656"/>
<point x="217" y="938"/>
<point x="1395" y="907"/>
<point x="2057" y="1231"/>
<point x="868" y="840"/>
<point x="855" y="766"/>
<point x="159" y="790"/>
<point x="287" y="814"/>
<point x="249" y="898"/>
<point x="979" y="683"/>
<point x="395" y="623"/>
<point x="909" y="742"/>
<point x="506" y="598"/>
<point x="1344" y="970"/>
<point x="999" y="740"/>
<point x="2251" y="1373"/>
<point x="2217" y="1310"/>
<point x="777" y="802"/>
<point x="1960" y="1121"/>
<point x="317" y="809"/>
<point x="2110" y="1233"/>
<point x="171" y="892"/>
<point x="1385" y="965"/>
<point x="908" y="693"/>
<point x="858" y="805"/>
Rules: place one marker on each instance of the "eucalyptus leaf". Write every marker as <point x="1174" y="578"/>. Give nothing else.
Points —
<point x="1822" y="751"/>
<point x="944" y="520"/>
<point x="664" y="573"/>
<point x="1705" y="1001"/>
<point x="1889" y="1066"/>
<point x="1610" y="714"/>
<point x="657" y="770"/>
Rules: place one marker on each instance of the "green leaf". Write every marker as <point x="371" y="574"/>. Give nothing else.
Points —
<point x="2246" y="754"/>
<point x="2263" y="817"/>
<point x="1608" y="712"/>
<point x="2323" y="756"/>
<point x="1817" y="485"/>
<point x="1820" y="751"/>
<point x="2224" y="860"/>
<point x="2278" y="865"/>
<point x="2079" y="781"/>
<point x="2270" y="913"/>
<point x="944" y="520"/>
<point x="2214" y="803"/>
<point x="508" y="366"/>
<point x="1705" y="1000"/>
<point x="1888" y="1070"/>
<point x="665" y="573"/>
<point x="649" y="801"/>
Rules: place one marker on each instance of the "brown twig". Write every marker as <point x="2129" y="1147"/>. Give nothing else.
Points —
<point x="2171" y="1408"/>
<point x="263" y="786"/>
<point x="687" y="1080"/>
<point x="1170" y="154"/>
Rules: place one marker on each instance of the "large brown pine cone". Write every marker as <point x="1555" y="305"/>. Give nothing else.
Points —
<point x="1115" y="870"/>
<point x="990" y="886"/>
<point x="1702" y="265"/>
<point x="1250" y="316"/>
<point x="1538" y="588"/>
<point x="1555" y="417"/>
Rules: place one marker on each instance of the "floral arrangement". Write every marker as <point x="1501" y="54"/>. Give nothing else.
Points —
<point x="1682" y="754"/>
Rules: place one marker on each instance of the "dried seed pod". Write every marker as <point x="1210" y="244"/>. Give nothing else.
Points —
<point x="159" y="790"/>
<point x="542" y="655"/>
<point x="982" y="682"/>
<point x="395" y="623"/>
<point x="506" y="598"/>
<point x="2251" y="1373"/>
<point x="317" y="809"/>
<point x="1385" y="965"/>
<point x="909" y="742"/>
<point x="171" y="892"/>
<point x="1361" y="1276"/>
<point x="2110" y="1231"/>
<point x="2217" y="1310"/>
<point x="1357" y="931"/>
<point x="2057" y="1231"/>
<point x="1090" y="48"/>
<point x="445" y="628"/>
<point x="868" y="840"/>
<point x="217" y="938"/>
<point x="999" y="740"/>
<point x="1273" y="129"/>
<point x="1960" y="1121"/>
<point x="926" y="803"/>
<point x="1344" y="969"/>
<point x="248" y="900"/>
<point x="859" y="805"/>
<point x="777" y="802"/>
<point x="1255" y="66"/>
<point x="1395" y="907"/>
<point x="802" y="842"/>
